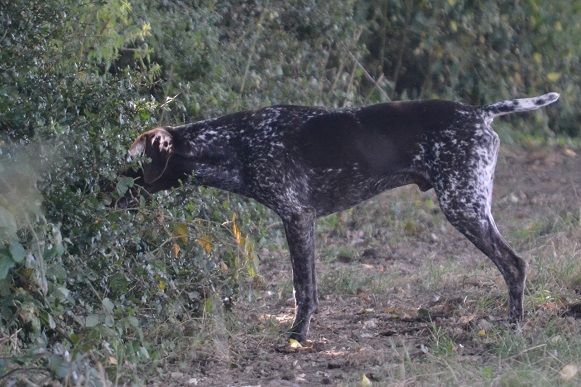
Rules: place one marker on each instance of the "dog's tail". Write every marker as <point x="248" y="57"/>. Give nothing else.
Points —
<point x="519" y="105"/>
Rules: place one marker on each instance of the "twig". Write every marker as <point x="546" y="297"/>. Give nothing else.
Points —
<point x="402" y="46"/>
<point x="370" y="78"/>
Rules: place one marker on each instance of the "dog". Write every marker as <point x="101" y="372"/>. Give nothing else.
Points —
<point x="307" y="162"/>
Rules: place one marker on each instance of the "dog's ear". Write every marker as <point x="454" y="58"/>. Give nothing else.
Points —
<point x="157" y="144"/>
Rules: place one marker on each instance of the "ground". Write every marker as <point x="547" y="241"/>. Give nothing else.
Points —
<point x="406" y="300"/>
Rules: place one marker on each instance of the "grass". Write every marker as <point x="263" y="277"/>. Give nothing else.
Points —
<point x="405" y="300"/>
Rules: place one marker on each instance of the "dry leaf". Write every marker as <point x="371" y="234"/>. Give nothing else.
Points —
<point x="365" y="381"/>
<point x="175" y="249"/>
<point x="570" y="152"/>
<point x="236" y="231"/>
<point x="181" y="232"/>
<point x="481" y="333"/>
<point x="294" y="343"/>
<point x="568" y="372"/>
<point x="223" y="267"/>
<point x="111" y="360"/>
<point x="205" y="243"/>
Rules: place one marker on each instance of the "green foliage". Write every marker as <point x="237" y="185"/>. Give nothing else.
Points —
<point x="81" y="283"/>
<point x="479" y="52"/>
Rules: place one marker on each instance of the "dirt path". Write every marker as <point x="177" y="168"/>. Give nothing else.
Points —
<point x="405" y="299"/>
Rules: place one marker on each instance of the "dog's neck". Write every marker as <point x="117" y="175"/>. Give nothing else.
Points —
<point x="209" y="157"/>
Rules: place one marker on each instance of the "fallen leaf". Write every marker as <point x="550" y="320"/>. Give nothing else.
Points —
<point x="111" y="360"/>
<point x="568" y="372"/>
<point x="365" y="381"/>
<point x="569" y="152"/>
<point x="294" y="343"/>
<point x="481" y="333"/>
<point x="175" y="249"/>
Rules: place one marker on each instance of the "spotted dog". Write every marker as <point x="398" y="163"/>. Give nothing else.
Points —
<point x="307" y="162"/>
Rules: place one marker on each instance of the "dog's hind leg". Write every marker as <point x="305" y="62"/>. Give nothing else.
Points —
<point x="300" y="234"/>
<point x="463" y="183"/>
<point x="482" y="232"/>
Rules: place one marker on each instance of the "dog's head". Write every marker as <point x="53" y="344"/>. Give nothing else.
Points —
<point x="157" y="144"/>
<point x="163" y="169"/>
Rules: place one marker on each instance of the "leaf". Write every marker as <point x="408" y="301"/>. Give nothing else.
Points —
<point x="181" y="232"/>
<point x="17" y="251"/>
<point x="365" y="381"/>
<point x="6" y="263"/>
<point x="175" y="249"/>
<point x="236" y="231"/>
<point x="143" y="352"/>
<point x="569" y="152"/>
<point x="553" y="76"/>
<point x="205" y="241"/>
<point x="453" y="26"/>
<point x="51" y="322"/>
<point x="59" y="366"/>
<point x="92" y="320"/>
<point x="294" y="344"/>
<point x="568" y="372"/>
<point x="123" y="185"/>
<point x="481" y="333"/>
<point x="134" y="322"/>
<point x="161" y="285"/>
<point x="108" y="305"/>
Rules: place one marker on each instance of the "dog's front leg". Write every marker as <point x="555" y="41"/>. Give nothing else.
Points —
<point x="300" y="235"/>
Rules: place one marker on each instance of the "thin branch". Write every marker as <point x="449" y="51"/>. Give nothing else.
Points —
<point x="384" y="95"/>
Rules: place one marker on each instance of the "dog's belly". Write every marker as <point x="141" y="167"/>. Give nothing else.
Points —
<point x="333" y="191"/>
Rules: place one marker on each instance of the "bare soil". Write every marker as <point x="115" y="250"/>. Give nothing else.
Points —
<point x="405" y="299"/>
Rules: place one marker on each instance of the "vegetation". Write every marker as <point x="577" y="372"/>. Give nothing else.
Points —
<point x="90" y="293"/>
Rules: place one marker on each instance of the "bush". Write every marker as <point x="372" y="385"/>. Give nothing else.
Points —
<point x="478" y="52"/>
